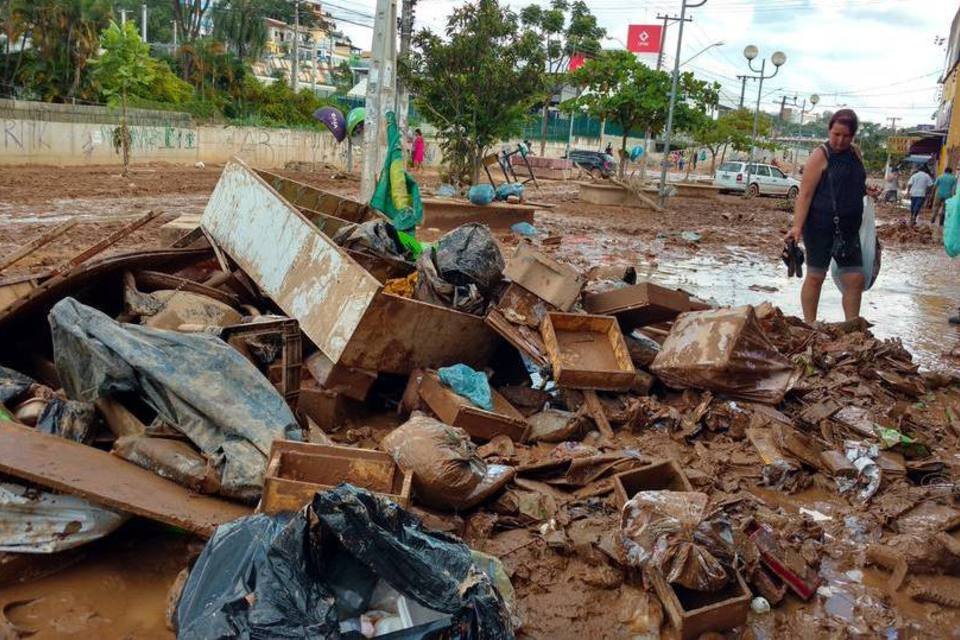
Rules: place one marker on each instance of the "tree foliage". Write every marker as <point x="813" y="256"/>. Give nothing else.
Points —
<point x="564" y="29"/>
<point x="622" y="89"/>
<point x="477" y="84"/>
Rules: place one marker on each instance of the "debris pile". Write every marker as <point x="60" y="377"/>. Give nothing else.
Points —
<point x="441" y="439"/>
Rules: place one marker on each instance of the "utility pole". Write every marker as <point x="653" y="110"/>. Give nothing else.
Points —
<point x="381" y="87"/>
<point x="743" y="87"/>
<point x="646" y="134"/>
<point x="123" y="17"/>
<point x="174" y="37"/>
<point x="893" y="126"/>
<point x="665" y="162"/>
<point x="143" y="21"/>
<point x="406" y="32"/>
<point x="295" y="66"/>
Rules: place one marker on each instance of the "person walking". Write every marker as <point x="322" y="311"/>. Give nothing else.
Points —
<point x="419" y="150"/>
<point x="917" y="187"/>
<point x="827" y="216"/>
<point x="946" y="187"/>
<point x="891" y="185"/>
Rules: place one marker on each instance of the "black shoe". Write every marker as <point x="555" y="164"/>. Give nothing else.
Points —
<point x="954" y="319"/>
<point x="792" y="256"/>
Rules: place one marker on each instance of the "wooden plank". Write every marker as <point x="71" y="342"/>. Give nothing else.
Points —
<point x="596" y="412"/>
<point x="104" y="244"/>
<point x="74" y="468"/>
<point x="36" y="243"/>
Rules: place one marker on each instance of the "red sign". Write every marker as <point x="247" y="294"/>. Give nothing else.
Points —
<point x="576" y="61"/>
<point x="644" y="38"/>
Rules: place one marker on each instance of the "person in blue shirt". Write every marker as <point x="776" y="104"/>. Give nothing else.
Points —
<point x="946" y="187"/>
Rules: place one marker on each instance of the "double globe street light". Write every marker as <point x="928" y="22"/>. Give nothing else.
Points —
<point x="751" y="52"/>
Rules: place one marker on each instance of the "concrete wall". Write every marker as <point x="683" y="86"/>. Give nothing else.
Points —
<point x="37" y="133"/>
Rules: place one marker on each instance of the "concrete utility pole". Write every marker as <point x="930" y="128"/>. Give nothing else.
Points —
<point x="743" y="87"/>
<point x="123" y="17"/>
<point x="665" y="162"/>
<point x="295" y="66"/>
<point x="381" y="88"/>
<point x="143" y="21"/>
<point x="174" y="37"/>
<point x="646" y="134"/>
<point x="406" y="32"/>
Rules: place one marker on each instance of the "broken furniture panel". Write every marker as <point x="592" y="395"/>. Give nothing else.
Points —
<point x="638" y="305"/>
<point x="587" y="352"/>
<point x="351" y="382"/>
<point x="297" y="470"/>
<point x="449" y="213"/>
<point x="102" y="478"/>
<point x="328" y="409"/>
<point x="337" y="302"/>
<point x="517" y="318"/>
<point x="305" y="196"/>
<point x="693" y="613"/>
<point x="724" y="351"/>
<point x="556" y="282"/>
<point x="458" y="411"/>
<point x="666" y="475"/>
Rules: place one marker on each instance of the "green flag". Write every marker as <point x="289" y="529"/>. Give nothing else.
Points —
<point x="397" y="194"/>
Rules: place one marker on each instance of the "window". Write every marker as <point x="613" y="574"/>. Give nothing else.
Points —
<point x="730" y="166"/>
<point x="763" y="170"/>
<point x="776" y="173"/>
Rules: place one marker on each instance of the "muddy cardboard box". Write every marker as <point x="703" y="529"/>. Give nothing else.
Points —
<point x="587" y="352"/>
<point x="556" y="282"/>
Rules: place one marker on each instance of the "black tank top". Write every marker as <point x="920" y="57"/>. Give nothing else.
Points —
<point x="849" y="178"/>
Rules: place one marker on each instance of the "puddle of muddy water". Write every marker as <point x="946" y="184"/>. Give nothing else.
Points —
<point x="915" y="292"/>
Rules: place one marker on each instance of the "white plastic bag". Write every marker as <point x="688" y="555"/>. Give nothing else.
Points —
<point x="869" y="248"/>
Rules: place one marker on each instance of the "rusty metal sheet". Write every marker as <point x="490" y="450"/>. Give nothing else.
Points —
<point x="300" y="268"/>
<point x="74" y="468"/>
<point x="398" y="335"/>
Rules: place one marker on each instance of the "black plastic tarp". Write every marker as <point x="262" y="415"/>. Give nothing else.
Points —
<point x="195" y="382"/>
<point x="280" y="576"/>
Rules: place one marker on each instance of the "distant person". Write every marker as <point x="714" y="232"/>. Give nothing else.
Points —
<point x="609" y="149"/>
<point x="419" y="149"/>
<point x="946" y="187"/>
<point x="891" y="185"/>
<point x="827" y="216"/>
<point x="918" y="185"/>
<point x="529" y="146"/>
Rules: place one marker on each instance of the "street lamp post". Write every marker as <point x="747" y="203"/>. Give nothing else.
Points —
<point x="778" y="59"/>
<point x="665" y="162"/>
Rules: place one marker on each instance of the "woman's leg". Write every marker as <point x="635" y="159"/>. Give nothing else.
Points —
<point x="853" y="283"/>
<point x="810" y="294"/>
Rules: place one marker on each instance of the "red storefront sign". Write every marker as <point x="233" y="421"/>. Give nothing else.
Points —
<point x="644" y="38"/>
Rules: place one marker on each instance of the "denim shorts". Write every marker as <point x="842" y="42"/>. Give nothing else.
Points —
<point x="819" y="246"/>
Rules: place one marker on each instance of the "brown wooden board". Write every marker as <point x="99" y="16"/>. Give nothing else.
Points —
<point x="555" y="282"/>
<point x="458" y="411"/>
<point x="41" y="240"/>
<point x="74" y="468"/>
<point x="665" y="475"/>
<point x="638" y="305"/>
<point x="298" y="470"/>
<point x="693" y="613"/>
<point x="587" y="352"/>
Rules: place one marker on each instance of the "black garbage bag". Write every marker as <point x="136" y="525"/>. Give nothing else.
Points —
<point x="279" y="576"/>
<point x="195" y="382"/>
<point x="469" y="255"/>
<point x="13" y="385"/>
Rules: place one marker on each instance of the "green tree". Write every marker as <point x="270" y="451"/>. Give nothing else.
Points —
<point x="123" y="68"/>
<point x="619" y="88"/>
<point x="477" y="84"/>
<point x="564" y="29"/>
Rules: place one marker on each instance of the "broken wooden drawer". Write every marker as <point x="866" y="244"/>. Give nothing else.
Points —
<point x="556" y="282"/>
<point x="587" y="352"/>
<point x="665" y="475"/>
<point x="458" y="411"/>
<point x="693" y="613"/>
<point x="638" y="305"/>
<point x="298" y="470"/>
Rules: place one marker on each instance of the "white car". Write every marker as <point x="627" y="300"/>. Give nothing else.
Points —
<point x="765" y="180"/>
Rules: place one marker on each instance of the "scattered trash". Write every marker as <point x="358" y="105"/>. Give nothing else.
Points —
<point x="510" y="190"/>
<point x="468" y="383"/>
<point x="447" y="191"/>
<point x="481" y="194"/>
<point x="524" y="229"/>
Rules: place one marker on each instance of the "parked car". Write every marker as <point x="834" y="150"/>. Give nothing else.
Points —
<point x="765" y="180"/>
<point x="596" y="163"/>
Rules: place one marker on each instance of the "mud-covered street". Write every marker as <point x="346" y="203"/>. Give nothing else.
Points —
<point x="557" y="537"/>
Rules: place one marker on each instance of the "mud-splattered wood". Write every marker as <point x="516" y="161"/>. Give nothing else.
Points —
<point x="64" y="465"/>
<point x="36" y="243"/>
<point x="596" y="412"/>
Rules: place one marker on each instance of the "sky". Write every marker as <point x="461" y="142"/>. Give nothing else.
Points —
<point x="882" y="58"/>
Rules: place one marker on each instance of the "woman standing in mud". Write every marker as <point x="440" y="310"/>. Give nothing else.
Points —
<point x="827" y="216"/>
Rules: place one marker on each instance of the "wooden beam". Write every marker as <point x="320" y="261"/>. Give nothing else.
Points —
<point x="104" y="244"/>
<point x="36" y="243"/>
<point x="596" y="412"/>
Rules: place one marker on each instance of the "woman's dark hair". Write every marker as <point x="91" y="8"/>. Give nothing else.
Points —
<point x="846" y="117"/>
<point x="419" y="133"/>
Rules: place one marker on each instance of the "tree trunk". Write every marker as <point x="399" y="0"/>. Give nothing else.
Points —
<point x="125" y="133"/>
<point x="543" y="127"/>
<point x="713" y="161"/>
<point x="603" y="125"/>
<point x="724" y="154"/>
<point x="623" y="155"/>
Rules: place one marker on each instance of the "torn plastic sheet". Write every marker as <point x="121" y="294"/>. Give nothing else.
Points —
<point x="195" y="382"/>
<point x="36" y="521"/>
<point x="864" y="459"/>
<point x="299" y="576"/>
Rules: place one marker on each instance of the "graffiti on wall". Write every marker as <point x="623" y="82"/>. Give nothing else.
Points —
<point x="24" y="135"/>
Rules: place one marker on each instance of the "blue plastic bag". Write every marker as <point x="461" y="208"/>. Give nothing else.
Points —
<point x="951" y="228"/>
<point x="524" y="229"/>
<point x="481" y="194"/>
<point x="446" y="191"/>
<point x="472" y="385"/>
<point x="508" y="189"/>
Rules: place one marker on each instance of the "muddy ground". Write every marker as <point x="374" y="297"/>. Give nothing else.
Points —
<point x="117" y="588"/>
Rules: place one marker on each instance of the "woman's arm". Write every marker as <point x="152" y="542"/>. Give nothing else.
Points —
<point x="812" y="171"/>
